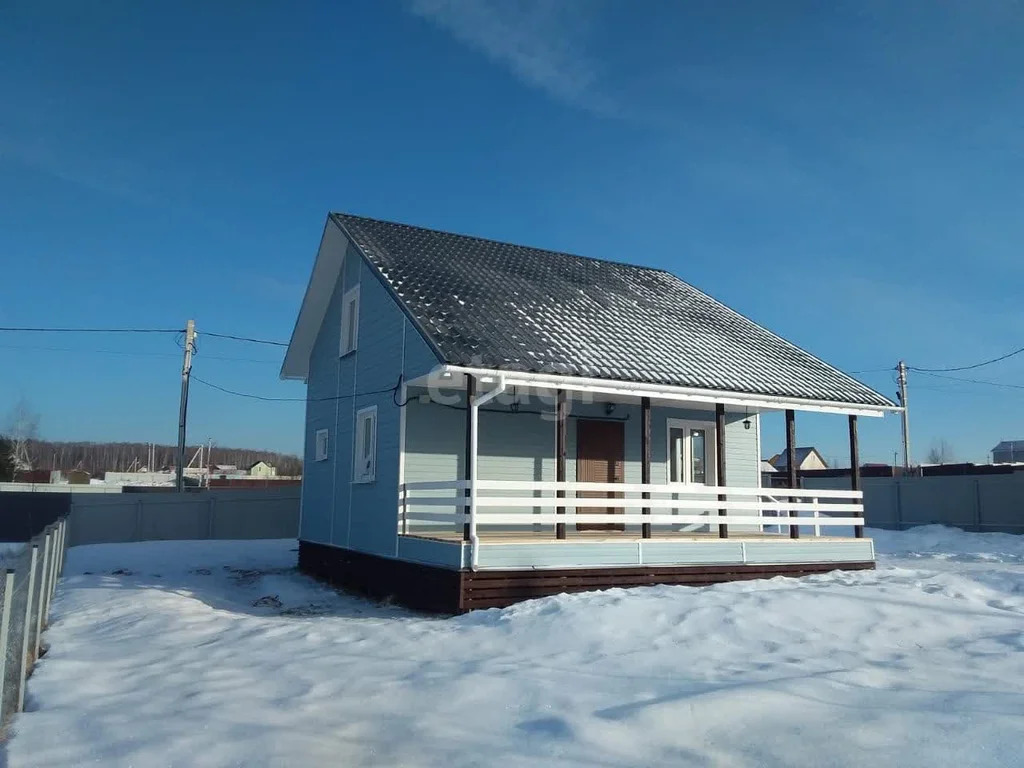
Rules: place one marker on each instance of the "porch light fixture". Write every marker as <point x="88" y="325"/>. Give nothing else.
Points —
<point x="515" y="401"/>
<point x="746" y="421"/>
<point x="608" y="408"/>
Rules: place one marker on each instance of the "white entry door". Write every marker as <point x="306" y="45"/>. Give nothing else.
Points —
<point x="692" y="460"/>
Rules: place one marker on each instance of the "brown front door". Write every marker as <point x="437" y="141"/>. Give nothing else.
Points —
<point x="600" y="458"/>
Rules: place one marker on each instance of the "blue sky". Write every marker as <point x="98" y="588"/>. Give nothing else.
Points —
<point x="847" y="174"/>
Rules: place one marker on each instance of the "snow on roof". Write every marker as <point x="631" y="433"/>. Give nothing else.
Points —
<point x="497" y="305"/>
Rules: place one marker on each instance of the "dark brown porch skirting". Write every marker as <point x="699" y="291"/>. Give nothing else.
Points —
<point x="439" y="590"/>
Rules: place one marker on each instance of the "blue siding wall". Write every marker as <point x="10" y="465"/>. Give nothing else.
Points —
<point x="335" y="510"/>
<point x="522" y="446"/>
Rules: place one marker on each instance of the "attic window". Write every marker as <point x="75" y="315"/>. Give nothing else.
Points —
<point x="349" y="321"/>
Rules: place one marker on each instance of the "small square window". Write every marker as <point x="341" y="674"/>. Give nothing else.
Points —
<point x="321" y="445"/>
<point x="364" y="469"/>
<point x="349" y="321"/>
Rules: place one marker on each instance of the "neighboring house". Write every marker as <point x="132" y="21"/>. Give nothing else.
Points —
<point x="1008" y="452"/>
<point x="78" y="477"/>
<point x="37" y="476"/>
<point x="806" y="458"/>
<point x="768" y="473"/>
<point x="487" y="422"/>
<point x="262" y="469"/>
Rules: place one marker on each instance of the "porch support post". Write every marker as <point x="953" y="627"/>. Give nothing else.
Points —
<point x="470" y="466"/>
<point x="723" y="529"/>
<point x="794" y="531"/>
<point x="561" y="419"/>
<point x="645" y="458"/>
<point x="858" y="530"/>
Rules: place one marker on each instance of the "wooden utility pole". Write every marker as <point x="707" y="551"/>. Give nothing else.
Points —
<point x="902" y="369"/>
<point x="186" y="371"/>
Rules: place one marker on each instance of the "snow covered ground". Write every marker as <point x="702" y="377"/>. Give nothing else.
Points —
<point x="9" y="551"/>
<point x="220" y="654"/>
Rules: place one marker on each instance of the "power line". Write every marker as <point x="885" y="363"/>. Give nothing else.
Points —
<point x="967" y="367"/>
<point x="873" y="370"/>
<point x="91" y="330"/>
<point x="972" y="381"/>
<point x="239" y="359"/>
<point x="248" y="395"/>
<point x="127" y="353"/>
<point x="131" y="353"/>
<point x="393" y="389"/>
<point x="245" y="338"/>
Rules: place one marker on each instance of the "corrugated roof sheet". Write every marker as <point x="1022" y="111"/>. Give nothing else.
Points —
<point x="1011" y="445"/>
<point x="498" y="305"/>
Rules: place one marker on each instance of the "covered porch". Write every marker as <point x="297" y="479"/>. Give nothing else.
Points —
<point x="504" y="470"/>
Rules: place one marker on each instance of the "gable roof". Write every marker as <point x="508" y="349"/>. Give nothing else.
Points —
<point x="1011" y="445"/>
<point x="497" y="305"/>
<point x="781" y="461"/>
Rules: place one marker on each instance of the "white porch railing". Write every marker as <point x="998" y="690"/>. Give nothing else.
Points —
<point x="425" y="503"/>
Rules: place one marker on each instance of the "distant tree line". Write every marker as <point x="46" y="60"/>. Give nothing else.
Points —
<point x="97" y="458"/>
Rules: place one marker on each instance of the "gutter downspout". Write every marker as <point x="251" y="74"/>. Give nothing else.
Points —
<point x="474" y="434"/>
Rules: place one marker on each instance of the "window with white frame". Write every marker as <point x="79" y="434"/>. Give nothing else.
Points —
<point x="365" y="453"/>
<point x="320" y="448"/>
<point x="691" y="452"/>
<point x="349" y="321"/>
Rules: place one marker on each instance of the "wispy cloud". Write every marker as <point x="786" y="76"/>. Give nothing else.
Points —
<point x="109" y="176"/>
<point x="544" y="43"/>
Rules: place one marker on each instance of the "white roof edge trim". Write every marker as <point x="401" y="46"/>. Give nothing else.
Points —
<point x="319" y="290"/>
<point x="685" y="394"/>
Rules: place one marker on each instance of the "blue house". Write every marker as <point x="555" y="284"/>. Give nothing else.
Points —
<point x="488" y="422"/>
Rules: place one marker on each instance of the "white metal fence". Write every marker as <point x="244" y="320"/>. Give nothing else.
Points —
<point x="30" y="580"/>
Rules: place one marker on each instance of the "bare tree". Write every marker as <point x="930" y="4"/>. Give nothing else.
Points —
<point x="6" y="459"/>
<point x="23" y="429"/>
<point x="941" y="452"/>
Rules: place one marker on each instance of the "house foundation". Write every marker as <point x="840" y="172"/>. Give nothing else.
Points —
<point x="442" y="590"/>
